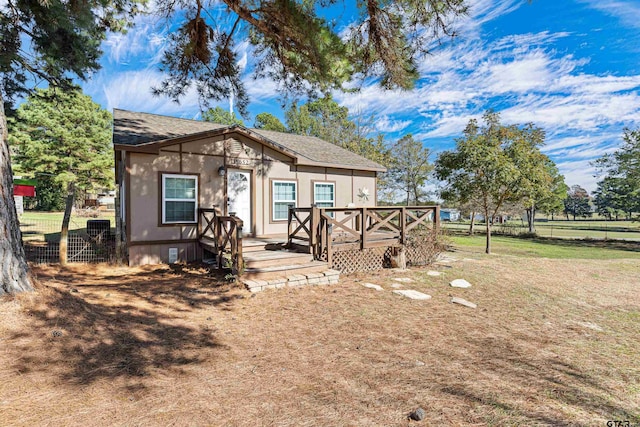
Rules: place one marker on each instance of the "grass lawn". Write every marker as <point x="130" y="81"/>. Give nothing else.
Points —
<point x="623" y="230"/>
<point x="36" y="225"/>
<point x="550" y="248"/>
<point x="554" y="341"/>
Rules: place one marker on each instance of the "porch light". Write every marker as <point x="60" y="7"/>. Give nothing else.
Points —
<point x="222" y="171"/>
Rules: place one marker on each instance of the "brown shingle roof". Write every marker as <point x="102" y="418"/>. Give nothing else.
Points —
<point x="130" y="128"/>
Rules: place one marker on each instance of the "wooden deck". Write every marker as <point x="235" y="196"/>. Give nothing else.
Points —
<point x="314" y="236"/>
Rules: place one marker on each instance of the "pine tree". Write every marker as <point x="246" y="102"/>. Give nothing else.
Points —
<point x="53" y="41"/>
<point x="67" y="136"/>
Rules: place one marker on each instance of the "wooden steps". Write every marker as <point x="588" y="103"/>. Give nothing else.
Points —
<point x="267" y="264"/>
<point x="284" y="270"/>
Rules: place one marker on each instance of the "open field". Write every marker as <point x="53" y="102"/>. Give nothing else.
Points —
<point x="582" y="229"/>
<point x="36" y="225"/>
<point x="554" y="341"/>
<point x="549" y="248"/>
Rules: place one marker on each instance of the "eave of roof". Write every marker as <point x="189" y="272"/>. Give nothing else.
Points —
<point x="154" y="146"/>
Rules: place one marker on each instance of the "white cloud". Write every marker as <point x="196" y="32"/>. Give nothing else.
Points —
<point x="145" y="40"/>
<point x="580" y="172"/>
<point x="132" y="91"/>
<point x="387" y="125"/>
<point x="627" y="12"/>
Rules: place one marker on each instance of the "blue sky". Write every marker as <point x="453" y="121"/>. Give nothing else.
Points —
<point x="572" y="67"/>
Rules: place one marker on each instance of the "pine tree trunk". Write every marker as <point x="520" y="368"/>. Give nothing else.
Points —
<point x="14" y="276"/>
<point x="64" y="233"/>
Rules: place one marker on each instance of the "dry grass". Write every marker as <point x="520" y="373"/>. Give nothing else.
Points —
<point x="553" y="342"/>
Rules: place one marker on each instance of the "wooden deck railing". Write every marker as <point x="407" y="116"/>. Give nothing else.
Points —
<point x="326" y="230"/>
<point x="223" y="234"/>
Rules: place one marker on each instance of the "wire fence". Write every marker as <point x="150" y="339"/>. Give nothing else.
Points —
<point x="89" y="240"/>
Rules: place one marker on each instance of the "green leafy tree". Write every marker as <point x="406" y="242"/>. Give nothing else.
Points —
<point x="221" y="116"/>
<point x="553" y="202"/>
<point x="577" y="203"/>
<point x="615" y="196"/>
<point x="52" y="41"/>
<point x="409" y="169"/>
<point x="492" y="165"/>
<point x="268" y="121"/>
<point x="296" y="46"/>
<point x="50" y="194"/>
<point x="619" y="191"/>
<point x="67" y="135"/>
<point x="323" y="118"/>
<point x="543" y="187"/>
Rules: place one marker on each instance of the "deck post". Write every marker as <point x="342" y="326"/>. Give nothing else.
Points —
<point x="218" y="237"/>
<point x="329" y="248"/>
<point x="289" y="226"/>
<point x="239" y="258"/>
<point x="363" y="223"/>
<point x="403" y="225"/>
<point x="436" y="220"/>
<point x="314" y="222"/>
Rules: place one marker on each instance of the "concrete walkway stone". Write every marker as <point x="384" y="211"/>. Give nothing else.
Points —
<point x="411" y="294"/>
<point x="464" y="302"/>
<point x="403" y="279"/>
<point x="372" y="286"/>
<point x="434" y="273"/>
<point x="460" y="283"/>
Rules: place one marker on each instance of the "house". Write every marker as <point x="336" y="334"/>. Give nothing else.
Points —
<point x="167" y="168"/>
<point x="448" y="214"/>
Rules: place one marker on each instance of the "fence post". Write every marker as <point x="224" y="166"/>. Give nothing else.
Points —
<point x="436" y="220"/>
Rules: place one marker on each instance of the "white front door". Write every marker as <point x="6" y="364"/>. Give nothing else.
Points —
<point x="239" y="197"/>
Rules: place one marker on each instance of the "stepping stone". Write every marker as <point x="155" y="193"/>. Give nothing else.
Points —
<point x="403" y="279"/>
<point x="434" y="273"/>
<point x="464" y="302"/>
<point x="411" y="294"/>
<point x="372" y="286"/>
<point x="396" y="285"/>
<point x="460" y="283"/>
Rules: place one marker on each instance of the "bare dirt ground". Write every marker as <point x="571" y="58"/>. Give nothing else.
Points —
<point x="552" y="342"/>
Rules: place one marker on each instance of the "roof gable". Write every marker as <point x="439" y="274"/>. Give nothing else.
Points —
<point x="136" y="129"/>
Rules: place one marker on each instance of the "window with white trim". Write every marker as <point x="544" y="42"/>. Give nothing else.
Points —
<point x="179" y="199"/>
<point x="284" y="194"/>
<point x="324" y="194"/>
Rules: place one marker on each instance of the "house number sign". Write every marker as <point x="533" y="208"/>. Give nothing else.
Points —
<point x="236" y="161"/>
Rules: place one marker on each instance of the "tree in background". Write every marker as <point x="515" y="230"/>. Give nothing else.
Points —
<point x="296" y="46"/>
<point x="493" y="164"/>
<point x="50" y="41"/>
<point x="543" y="189"/>
<point x="268" y="121"/>
<point x="577" y="203"/>
<point x="553" y="202"/>
<point x="619" y="191"/>
<point x="326" y="119"/>
<point x="409" y="169"/>
<point x="67" y="135"/>
<point x="323" y="118"/>
<point x="221" y="116"/>
<point x="616" y="196"/>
